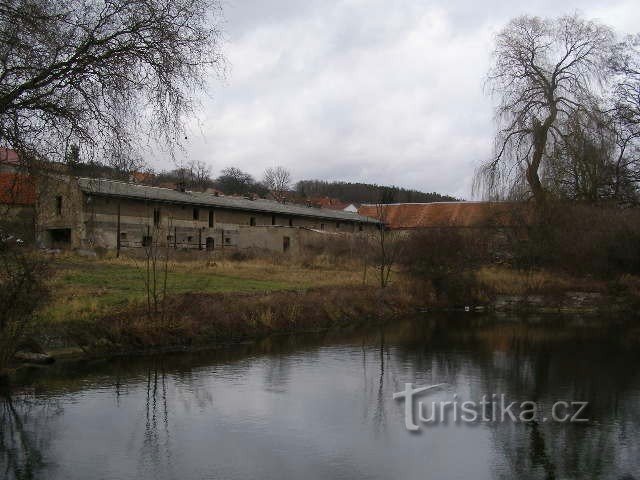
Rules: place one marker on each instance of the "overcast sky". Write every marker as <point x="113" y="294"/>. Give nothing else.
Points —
<point x="364" y="90"/>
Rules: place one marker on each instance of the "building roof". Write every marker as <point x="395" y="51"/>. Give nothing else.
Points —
<point x="112" y="188"/>
<point x="328" y="202"/>
<point x="441" y="214"/>
<point x="17" y="189"/>
<point x="8" y="156"/>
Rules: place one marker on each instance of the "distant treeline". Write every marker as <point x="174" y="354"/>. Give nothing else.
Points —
<point x="366" y="192"/>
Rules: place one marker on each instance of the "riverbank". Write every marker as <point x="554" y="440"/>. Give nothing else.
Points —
<point x="196" y="319"/>
<point x="99" y="306"/>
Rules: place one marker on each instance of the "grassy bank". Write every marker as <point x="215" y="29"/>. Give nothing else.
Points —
<point x="85" y="289"/>
<point x="99" y="305"/>
<point x="196" y="319"/>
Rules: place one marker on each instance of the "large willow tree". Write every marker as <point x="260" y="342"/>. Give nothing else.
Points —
<point x="543" y="72"/>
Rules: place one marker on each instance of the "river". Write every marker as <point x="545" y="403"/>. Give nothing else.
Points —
<point x="321" y="406"/>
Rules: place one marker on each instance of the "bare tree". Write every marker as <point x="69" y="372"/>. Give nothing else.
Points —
<point x="582" y="167"/>
<point x="232" y="180"/>
<point x="99" y="72"/>
<point x="389" y="246"/>
<point x="278" y="181"/>
<point x="625" y="66"/>
<point x="200" y="174"/>
<point x="543" y="71"/>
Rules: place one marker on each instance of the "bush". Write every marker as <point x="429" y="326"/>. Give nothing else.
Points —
<point x="447" y="257"/>
<point x="579" y="239"/>
<point x="22" y="291"/>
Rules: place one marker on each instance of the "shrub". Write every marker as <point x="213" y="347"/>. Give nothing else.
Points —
<point x="446" y="257"/>
<point x="579" y="239"/>
<point x="22" y="291"/>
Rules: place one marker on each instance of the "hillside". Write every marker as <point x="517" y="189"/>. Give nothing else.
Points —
<point x="366" y="192"/>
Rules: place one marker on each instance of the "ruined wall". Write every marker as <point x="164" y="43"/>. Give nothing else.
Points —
<point x="59" y="207"/>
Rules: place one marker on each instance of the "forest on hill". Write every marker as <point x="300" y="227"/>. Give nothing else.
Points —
<point x="366" y="192"/>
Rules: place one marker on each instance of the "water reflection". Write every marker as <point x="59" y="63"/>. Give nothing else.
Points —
<point x="27" y="425"/>
<point x="320" y="406"/>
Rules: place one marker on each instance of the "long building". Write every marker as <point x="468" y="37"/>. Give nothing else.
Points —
<point x="89" y="212"/>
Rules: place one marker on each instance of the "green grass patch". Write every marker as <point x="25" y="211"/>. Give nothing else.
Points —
<point x="86" y="290"/>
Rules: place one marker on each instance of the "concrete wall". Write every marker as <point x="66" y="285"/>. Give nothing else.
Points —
<point x="270" y="238"/>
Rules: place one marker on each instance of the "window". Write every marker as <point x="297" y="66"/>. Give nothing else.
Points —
<point x="196" y="214"/>
<point x="337" y="225"/>
<point x="359" y="227"/>
<point x="189" y="239"/>
<point x="123" y="235"/>
<point x="210" y="243"/>
<point x="156" y="216"/>
<point x="273" y="219"/>
<point x="147" y="240"/>
<point x="286" y="243"/>
<point x="291" y="222"/>
<point x="227" y="240"/>
<point x="322" y="226"/>
<point x="210" y="218"/>
<point x="169" y="238"/>
<point x="252" y="221"/>
<point x="58" y="205"/>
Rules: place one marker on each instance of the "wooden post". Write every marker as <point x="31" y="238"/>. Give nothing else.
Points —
<point x="200" y="239"/>
<point x="175" y="238"/>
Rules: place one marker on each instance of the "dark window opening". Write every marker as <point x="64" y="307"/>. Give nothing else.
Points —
<point x="156" y="216"/>
<point x="273" y="219"/>
<point x="196" y="214"/>
<point x="60" y="237"/>
<point x="169" y="238"/>
<point x="147" y="240"/>
<point x="210" y="218"/>
<point x="123" y="235"/>
<point x="337" y="225"/>
<point x="291" y="222"/>
<point x="322" y="226"/>
<point x="286" y="243"/>
<point x="227" y="240"/>
<point x="252" y="221"/>
<point x="360" y="227"/>
<point x="189" y="239"/>
<point x="58" y="205"/>
<point x="211" y="243"/>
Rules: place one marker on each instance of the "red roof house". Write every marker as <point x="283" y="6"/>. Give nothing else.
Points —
<point x="17" y="189"/>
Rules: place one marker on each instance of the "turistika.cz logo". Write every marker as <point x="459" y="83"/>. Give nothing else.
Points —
<point x="490" y="408"/>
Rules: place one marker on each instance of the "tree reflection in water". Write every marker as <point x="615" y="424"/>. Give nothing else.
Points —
<point x="26" y="428"/>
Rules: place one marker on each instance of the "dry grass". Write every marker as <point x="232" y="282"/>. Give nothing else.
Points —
<point x="88" y="288"/>
<point x="501" y="280"/>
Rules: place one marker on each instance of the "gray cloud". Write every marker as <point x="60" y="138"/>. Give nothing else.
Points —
<point x="385" y="92"/>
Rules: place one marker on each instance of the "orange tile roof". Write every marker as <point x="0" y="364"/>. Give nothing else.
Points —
<point x="8" y="156"/>
<point x="16" y="189"/>
<point x="328" y="202"/>
<point x="441" y="214"/>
